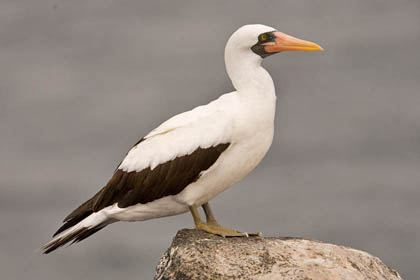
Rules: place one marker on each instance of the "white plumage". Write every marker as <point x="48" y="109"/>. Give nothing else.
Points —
<point x="244" y="119"/>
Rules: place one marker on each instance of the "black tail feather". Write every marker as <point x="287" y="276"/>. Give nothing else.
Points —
<point x="74" y="237"/>
<point x="72" y="222"/>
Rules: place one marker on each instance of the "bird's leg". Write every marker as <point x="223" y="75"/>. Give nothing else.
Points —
<point x="211" y="220"/>
<point x="209" y="214"/>
<point x="211" y="226"/>
<point x="196" y="216"/>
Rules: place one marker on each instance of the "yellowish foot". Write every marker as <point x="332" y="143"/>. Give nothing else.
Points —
<point x="211" y="226"/>
<point x="222" y="231"/>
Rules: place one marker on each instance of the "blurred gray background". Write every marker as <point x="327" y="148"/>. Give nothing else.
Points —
<point x="81" y="81"/>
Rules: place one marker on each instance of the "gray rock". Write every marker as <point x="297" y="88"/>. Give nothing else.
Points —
<point x="198" y="255"/>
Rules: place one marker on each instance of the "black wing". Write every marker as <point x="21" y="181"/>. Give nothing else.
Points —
<point x="130" y="188"/>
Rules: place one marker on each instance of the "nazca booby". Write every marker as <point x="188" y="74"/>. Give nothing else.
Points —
<point x="196" y="155"/>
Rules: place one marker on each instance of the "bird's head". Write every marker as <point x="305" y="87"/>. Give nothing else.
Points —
<point x="263" y="41"/>
<point x="246" y="49"/>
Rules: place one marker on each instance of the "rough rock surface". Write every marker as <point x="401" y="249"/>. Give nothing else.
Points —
<point x="198" y="255"/>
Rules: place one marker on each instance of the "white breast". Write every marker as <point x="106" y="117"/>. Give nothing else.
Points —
<point x="233" y="165"/>
<point x="253" y="135"/>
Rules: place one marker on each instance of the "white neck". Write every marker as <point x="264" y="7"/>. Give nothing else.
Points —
<point x="246" y="73"/>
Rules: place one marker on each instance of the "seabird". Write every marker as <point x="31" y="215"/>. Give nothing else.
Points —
<point x="194" y="156"/>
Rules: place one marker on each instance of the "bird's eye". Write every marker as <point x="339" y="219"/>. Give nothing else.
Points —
<point x="263" y="37"/>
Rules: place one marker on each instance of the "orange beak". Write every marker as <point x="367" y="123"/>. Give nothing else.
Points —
<point x="286" y="42"/>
